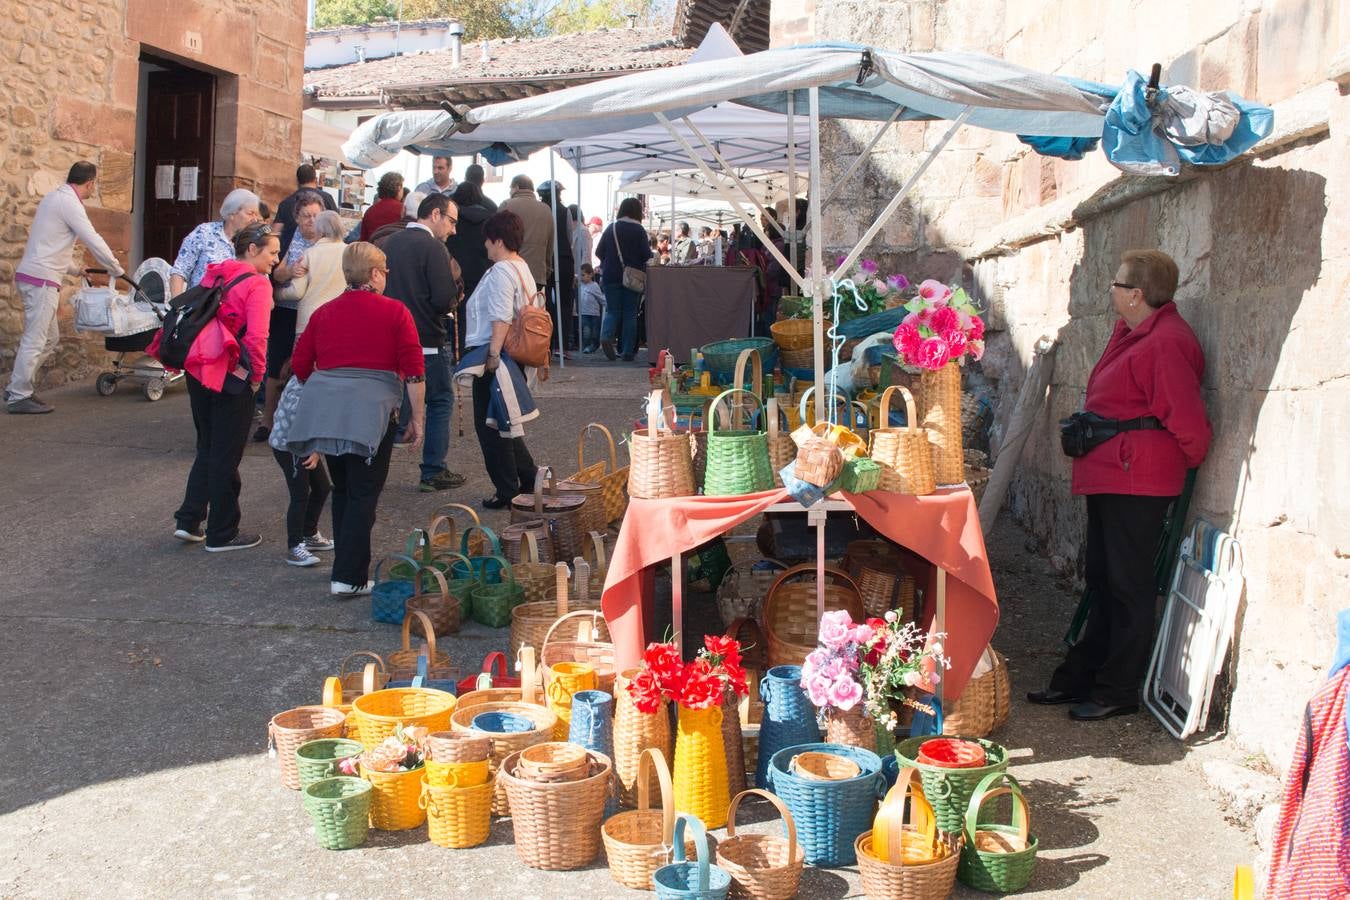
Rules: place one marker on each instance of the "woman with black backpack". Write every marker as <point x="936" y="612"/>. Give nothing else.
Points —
<point x="225" y="365"/>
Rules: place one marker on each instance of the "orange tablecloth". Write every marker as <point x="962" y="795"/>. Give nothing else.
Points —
<point x="943" y="528"/>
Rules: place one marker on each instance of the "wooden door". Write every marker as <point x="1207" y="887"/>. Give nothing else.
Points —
<point x="179" y="135"/>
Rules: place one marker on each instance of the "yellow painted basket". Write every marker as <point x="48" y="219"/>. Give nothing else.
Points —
<point x="377" y="715"/>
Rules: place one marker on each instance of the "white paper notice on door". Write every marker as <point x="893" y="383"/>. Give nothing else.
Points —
<point x="164" y="182"/>
<point x="187" y="183"/>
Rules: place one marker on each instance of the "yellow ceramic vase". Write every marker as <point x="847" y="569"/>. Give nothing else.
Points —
<point x="701" y="766"/>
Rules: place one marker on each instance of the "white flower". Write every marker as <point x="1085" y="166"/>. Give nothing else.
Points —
<point x="892" y="615"/>
<point x="911" y="679"/>
<point x="936" y="648"/>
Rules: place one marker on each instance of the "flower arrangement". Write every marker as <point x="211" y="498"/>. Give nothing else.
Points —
<point x="871" y="293"/>
<point x="896" y="657"/>
<point x="403" y="751"/>
<point x="700" y="684"/>
<point x="831" y="672"/>
<point x="942" y="326"/>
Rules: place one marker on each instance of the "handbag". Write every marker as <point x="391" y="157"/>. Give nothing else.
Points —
<point x="528" y="340"/>
<point x="634" y="279"/>
<point x="1082" y="431"/>
<point x="287" y="404"/>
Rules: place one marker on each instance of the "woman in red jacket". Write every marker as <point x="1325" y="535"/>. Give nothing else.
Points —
<point x="225" y="367"/>
<point x="1148" y="379"/>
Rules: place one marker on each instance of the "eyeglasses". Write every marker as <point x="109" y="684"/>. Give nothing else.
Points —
<point x="452" y="221"/>
<point x="1123" y="286"/>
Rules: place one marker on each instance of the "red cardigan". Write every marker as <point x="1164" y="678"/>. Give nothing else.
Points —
<point x="359" y="330"/>
<point x="1152" y="370"/>
<point x="381" y="213"/>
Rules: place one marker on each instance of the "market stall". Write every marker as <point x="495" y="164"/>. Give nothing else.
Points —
<point x="689" y="306"/>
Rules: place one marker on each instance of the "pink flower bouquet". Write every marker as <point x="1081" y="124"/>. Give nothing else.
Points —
<point x="942" y="326"/>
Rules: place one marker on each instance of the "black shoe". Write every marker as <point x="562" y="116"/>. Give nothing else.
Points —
<point x="607" y="345"/>
<point x="241" y="541"/>
<point x="32" y="406"/>
<point x="1052" y="697"/>
<point x="495" y="502"/>
<point x="261" y="434"/>
<point x="627" y="357"/>
<point x="1092" y="711"/>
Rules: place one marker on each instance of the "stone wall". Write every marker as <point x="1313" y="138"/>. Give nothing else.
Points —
<point x="69" y="92"/>
<point x="1264" y="250"/>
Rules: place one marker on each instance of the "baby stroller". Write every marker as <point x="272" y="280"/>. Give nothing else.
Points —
<point x="150" y="295"/>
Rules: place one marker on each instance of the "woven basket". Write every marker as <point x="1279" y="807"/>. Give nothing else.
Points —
<point x="733" y="745"/>
<point x="924" y="881"/>
<point x="457" y="774"/>
<point x="557" y="826"/>
<point x="389" y="594"/>
<point x="797" y="334"/>
<point x="403" y="662"/>
<point x="524" y="690"/>
<point x="639" y="841"/>
<point x="941" y="412"/>
<point x="977" y="479"/>
<point x="850" y="726"/>
<point x="457" y="817"/>
<point x="553" y="762"/>
<point x="503" y="745"/>
<point x="458" y="747"/>
<point x="662" y="464"/>
<point x="636" y="732"/>
<point x="738" y="460"/>
<point x="998" y="858"/>
<point x="819" y="462"/>
<point x="904" y="831"/>
<point x="354" y="682"/>
<point x="564" y="512"/>
<point x="438" y="605"/>
<point x="565" y="680"/>
<point x="815" y="765"/>
<point x="317" y="760"/>
<point x="597" y="568"/>
<point x="799" y="360"/>
<point x="288" y="730"/>
<point x="985" y="702"/>
<point x="586" y="647"/>
<point x="904" y="454"/>
<point x="531" y="621"/>
<point x="592" y="514"/>
<point x="532" y="572"/>
<point x="612" y="479"/>
<point x="829" y="814"/>
<point x="340" y="810"/>
<point x="492" y="603"/>
<point x="515" y="548"/>
<point x="720" y="357"/>
<point x="949" y="790"/>
<point x="782" y="450"/>
<point x="377" y="715"/>
<point x="394" y="799"/>
<point x="471" y="543"/>
<point x="742" y="591"/>
<point x="484" y="567"/>
<point x="882" y="584"/>
<point x="763" y="866"/>
<point x="790" y="625"/>
<point x="691" y="880"/>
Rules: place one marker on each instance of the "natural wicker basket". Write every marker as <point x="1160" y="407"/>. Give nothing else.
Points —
<point x="763" y="866"/>
<point x="904" y="454"/>
<point x="612" y="479"/>
<point x="636" y="732"/>
<point x="924" y="881"/>
<point x="505" y="744"/>
<point x="819" y="462"/>
<point x="534" y="574"/>
<point x="977" y="479"/>
<point x="557" y="826"/>
<point x="790" y="625"/>
<point x="403" y="662"/>
<point x="288" y="730"/>
<point x="515" y="547"/>
<point x="439" y="606"/>
<point x="567" y="523"/>
<point x="817" y="766"/>
<point x="585" y="647"/>
<point x="742" y="591"/>
<point x="531" y="621"/>
<point x="883" y="584"/>
<point x="457" y="817"/>
<point x="471" y="543"/>
<point x="941" y="412"/>
<point x="377" y="715"/>
<point x="797" y="334"/>
<point x="662" y="464"/>
<point x="638" y="842"/>
<point x="458" y="746"/>
<point x="354" y="682"/>
<point x="984" y="704"/>
<point x="782" y="450"/>
<point x="553" y="762"/>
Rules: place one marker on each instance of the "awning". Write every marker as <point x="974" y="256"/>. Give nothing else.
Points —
<point x="318" y="138"/>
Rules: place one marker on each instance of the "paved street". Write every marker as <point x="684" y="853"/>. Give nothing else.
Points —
<point x="139" y="675"/>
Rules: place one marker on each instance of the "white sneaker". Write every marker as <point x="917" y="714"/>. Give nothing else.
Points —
<point x="316" y="543"/>
<point x="341" y="589"/>
<point x="299" y="555"/>
<point x="189" y="537"/>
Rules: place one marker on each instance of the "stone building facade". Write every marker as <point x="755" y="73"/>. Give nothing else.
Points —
<point x="1264" y="250"/>
<point x="74" y="86"/>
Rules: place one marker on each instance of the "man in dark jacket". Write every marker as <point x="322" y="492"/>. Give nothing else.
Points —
<point x="420" y="276"/>
<point x="466" y="244"/>
<point x="561" y="283"/>
<point x="474" y="174"/>
<point x="308" y="180"/>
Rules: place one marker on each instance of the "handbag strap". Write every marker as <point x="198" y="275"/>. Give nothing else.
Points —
<point x="614" y="233"/>
<point x="525" y="289"/>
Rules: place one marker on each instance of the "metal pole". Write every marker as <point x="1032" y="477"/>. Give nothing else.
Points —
<point x="817" y="264"/>
<point x="792" y="182"/>
<point x="557" y="262"/>
<point x="672" y="217"/>
<point x="581" y="223"/>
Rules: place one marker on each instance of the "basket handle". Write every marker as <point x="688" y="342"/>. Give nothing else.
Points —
<point x="595" y="551"/>
<point x="494" y="545"/>
<point x="660" y="414"/>
<point x="440" y="581"/>
<point x="428" y="630"/>
<point x="803" y="406"/>
<point x="369" y="678"/>
<point x="911" y="414"/>
<point x="581" y="446"/>
<point x="789" y="826"/>
<point x="332" y="690"/>
<point x="399" y="557"/>
<point x="583" y="579"/>
<point x="909" y="787"/>
<point x="417" y="538"/>
<point x="342" y="669"/>
<point x="530" y="545"/>
<point x="594" y="615"/>
<point x="436" y="524"/>
<point x="473" y="514"/>
<point x="505" y="569"/>
<point x="711" y="424"/>
<point x="539" y="488"/>
<point x="799" y="569"/>
<point x="653" y="759"/>
<point x="460" y="560"/>
<point x="742" y="359"/>
<point x="682" y="821"/>
<point x="526" y="662"/>
<point x="495" y="663"/>
<point x="985" y="791"/>
<point x="561" y="575"/>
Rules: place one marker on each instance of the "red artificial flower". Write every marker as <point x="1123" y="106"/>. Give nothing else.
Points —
<point x="956" y="343"/>
<point x="702" y="689"/>
<point x="877" y="625"/>
<point x="945" y="320"/>
<point x="976" y="329"/>
<point x="933" y="354"/>
<point x="907" y="340"/>
<point x="723" y="649"/>
<point x="735" y="679"/>
<point x="645" y="691"/>
<point x="666" y="665"/>
<point x="873" y="655"/>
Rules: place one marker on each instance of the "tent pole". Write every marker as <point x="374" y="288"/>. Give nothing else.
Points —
<point x="672" y="216"/>
<point x="817" y="271"/>
<point x="557" y="261"/>
<point x="900" y="195"/>
<point x="581" y="223"/>
<point x="862" y="157"/>
<point x="731" y="200"/>
<point x="792" y="180"/>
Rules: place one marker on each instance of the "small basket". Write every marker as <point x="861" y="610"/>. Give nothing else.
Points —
<point x="904" y="454"/>
<point x="738" y="460"/>
<point x="492" y="603"/>
<point x="317" y="760"/>
<point x="394" y="799"/>
<point x="797" y="334"/>
<point x="439" y="606"/>
<point x="561" y="510"/>
<point x="472" y="543"/>
<point x="556" y="826"/>
<point x="816" y="766"/>
<point x="949" y="790"/>
<point x="517" y="550"/>
<point x="340" y="810"/>
<point x="378" y="715"/>
<point x="860" y="476"/>
<point x="685" y="880"/>
<point x="532" y="572"/>
<point x="553" y="762"/>
<point x="923" y="881"/>
<point x="742" y="590"/>
<point x="389" y="595"/>
<point x="984" y="704"/>
<point x="762" y="866"/>
<point x="585" y="648"/>
<point x="403" y="665"/>
<point x="998" y="858"/>
<point x="457" y="817"/>
<point x="369" y="678"/>
<point x="638" y="842"/>
<point x="951" y="753"/>
<point x="789" y="611"/>
<point x="819" y="462"/>
<point x="494" y="674"/>
<point x="288" y="730"/>
<point x="662" y="463"/>
<point x="720" y="357"/>
<point x="613" y="480"/>
<point x="458" y="747"/>
<point x="829" y="814"/>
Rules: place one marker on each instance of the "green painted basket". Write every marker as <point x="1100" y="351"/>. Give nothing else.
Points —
<point x="340" y="809"/>
<point x="949" y="790"/>
<point x="998" y="858"/>
<point x="317" y="760"/>
<point x="492" y="603"/>
<point x="719" y="357"/>
<point x="860" y="475"/>
<point x="462" y="588"/>
<point x="738" y="461"/>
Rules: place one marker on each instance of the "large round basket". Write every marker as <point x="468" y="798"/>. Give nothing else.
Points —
<point x="457" y="817"/>
<point x="377" y="715"/>
<point x="340" y="810"/>
<point x="905" y="454"/>
<point x="294" y="727"/>
<point x="998" y="858"/>
<point x="394" y="802"/>
<point x="829" y="814"/>
<point x="924" y="881"/>
<point x="790" y="625"/>
<point x="506" y="744"/>
<point x="557" y="825"/>
<point x="763" y="866"/>
<point x="797" y="334"/>
<point x="638" y="842"/>
<point x="581" y="643"/>
<point x="949" y="790"/>
<point x="531" y="621"/>
<point x="984" y="703"/>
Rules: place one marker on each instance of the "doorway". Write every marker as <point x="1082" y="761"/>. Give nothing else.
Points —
<point x="177" y="109"/>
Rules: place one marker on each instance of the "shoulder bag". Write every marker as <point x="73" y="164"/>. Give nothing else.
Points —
<point x="634" y="279"/>
<point x="529" y="339"/>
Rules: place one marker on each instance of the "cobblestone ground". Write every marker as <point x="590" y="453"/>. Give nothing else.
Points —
<point x="139" y="676"/>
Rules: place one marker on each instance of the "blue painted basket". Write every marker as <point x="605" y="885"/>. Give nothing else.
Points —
<point x="829" y="814"/>
<point x="683" y="879"/>
<point x="502" y="723"/>
<point x="788" y="719"/>
<point x="389" y="597"/>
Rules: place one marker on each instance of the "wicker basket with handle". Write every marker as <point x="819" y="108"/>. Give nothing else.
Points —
<point x="941" y="412"/>
<point x="762" y="866"/>
<point x="371" y="677"/>
<point x="562" y="512"/>
<point x="513" y="541"/>
<point x="581" y="644"/>
<point x="378" y="715"/>
<point x="457" y="816"/>
<point x="797" y="334"/>
<point x="530" y="622"/>
<point x="904" y="454"/>
<point x="983" y="705"/>
<point x="612" y="479"/>
<point x="637" y="842"/>
<point x="446" y="540"/>
<point x="998" y="858"/>
<point x="932" y="880"/>
<point x="738" y="458"/>
<point x="789" y="612"/>
<point x="662" y="464"/>
<point x="532" y="571"/>
<point x="403" y="662"/>
<point x="288" y="730"/>
<point x="442" y="609"/>
<point x="506" y="743"/>
<point x="782" y="450"/>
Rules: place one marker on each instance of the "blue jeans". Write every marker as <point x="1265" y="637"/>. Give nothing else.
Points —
<point x="440" y="403"/>
<point x="590" y="332"/>
<point x="621" y="305"/>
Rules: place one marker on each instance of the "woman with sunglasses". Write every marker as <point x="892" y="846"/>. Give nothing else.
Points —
<point x="225" y="367"/>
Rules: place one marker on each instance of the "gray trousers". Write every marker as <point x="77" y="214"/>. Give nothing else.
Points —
<point x="40" y="337"/>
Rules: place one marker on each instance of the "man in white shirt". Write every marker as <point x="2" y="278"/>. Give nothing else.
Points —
<point x="440" y="181"/>
<point x="60" y="221"/>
